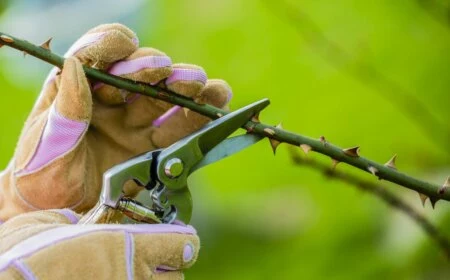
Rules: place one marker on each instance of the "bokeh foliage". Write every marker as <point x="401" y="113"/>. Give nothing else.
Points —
<point x="259" y="216"/>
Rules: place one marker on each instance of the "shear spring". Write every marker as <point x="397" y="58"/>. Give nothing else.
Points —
<point x="137" y="211"/>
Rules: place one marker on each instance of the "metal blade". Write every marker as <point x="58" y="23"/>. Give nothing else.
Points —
<point x="228" y="147"/>
<point x="189" y="151"/>
<point x="217" y="131"/>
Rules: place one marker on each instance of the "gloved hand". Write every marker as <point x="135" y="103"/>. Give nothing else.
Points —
<point x="46" y="245"/>
<point x="78" y="130"/>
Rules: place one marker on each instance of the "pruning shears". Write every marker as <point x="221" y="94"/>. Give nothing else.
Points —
<point x="164" y="172"/>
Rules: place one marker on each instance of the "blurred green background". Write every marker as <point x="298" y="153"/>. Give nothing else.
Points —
<point x="343" y="69"/>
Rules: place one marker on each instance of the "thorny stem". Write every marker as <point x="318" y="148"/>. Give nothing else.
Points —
<point x="385" y="195"/>
<point x="433" y="191"/>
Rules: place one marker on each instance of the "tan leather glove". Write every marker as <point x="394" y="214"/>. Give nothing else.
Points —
<point x="47" y="245"/>
<point x="78" y="130"/>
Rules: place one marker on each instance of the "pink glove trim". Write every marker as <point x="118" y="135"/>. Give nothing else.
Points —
<point x="180" y="74"/>
<point x="135" y="65"/>
<point x="24" y="270"/>
<point x="164" y="117"/>
<point x="83" y="42"/>
<point x="134" y="98"/>
<point x="129" y="254"/>
<point x="59" y="137"/>
<point x="54" y="236"/>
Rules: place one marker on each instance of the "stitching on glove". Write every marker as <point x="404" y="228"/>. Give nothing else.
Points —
<point x="21" y="197"/>
<point x="23" y="269"/>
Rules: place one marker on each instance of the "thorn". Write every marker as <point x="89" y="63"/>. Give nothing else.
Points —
<point x="423" y="198"/>
<point x="219" y="115"/>
<point x="6" y="39"/>
<point x="163" y="95"/>
<point x="24" y="53"/>
<point x="334" y="163"/>
<point x="391" y="162"/>
<point x="445" y="186"/>
<point x="46" y="44"/>
<point x="433" y="201"/>
<point x="95" y="65"/>
<point x="279" y="126"/>
<point x="186" y="111"/>
<point x="353" y="152"/>
<point x="323" y="140"/>
<point x="372" y="170"/>
<point x="255" y="118"/>
<point x="269" y="131"/>
<point x="274" y="144"/>
<point x="306" y="148"/>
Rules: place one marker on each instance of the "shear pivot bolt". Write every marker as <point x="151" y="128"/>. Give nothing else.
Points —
<point x="173" y="167"/>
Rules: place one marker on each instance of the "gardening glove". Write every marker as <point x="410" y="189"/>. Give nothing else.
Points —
<point x="49" y="245"/>
<point x="78" y="129"/>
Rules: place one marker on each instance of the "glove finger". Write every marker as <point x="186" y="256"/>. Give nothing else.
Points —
<point x="54" y="142"/>
<point x="74" y="100"/>
<point x="146" y="65"/>
<point x="121" y="251"/>
<point x="26" y="225"/>
<point x="59" y="129"/>
<point x="176" y="123"/>
<point x="216" y="93"/>
<point x="186" y="79"/>
<point x="104" y="45"/>
<point x="167" y="251"/>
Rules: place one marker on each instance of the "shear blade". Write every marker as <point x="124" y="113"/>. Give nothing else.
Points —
<point x="228" y="147"/>
<point x="192" y="149"/>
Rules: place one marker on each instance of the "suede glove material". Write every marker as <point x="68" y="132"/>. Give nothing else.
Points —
<point x="78" y="129"/>
<point x="47" y="245"/>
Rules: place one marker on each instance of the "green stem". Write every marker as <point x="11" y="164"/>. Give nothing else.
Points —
<point x="332" y="151"/>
